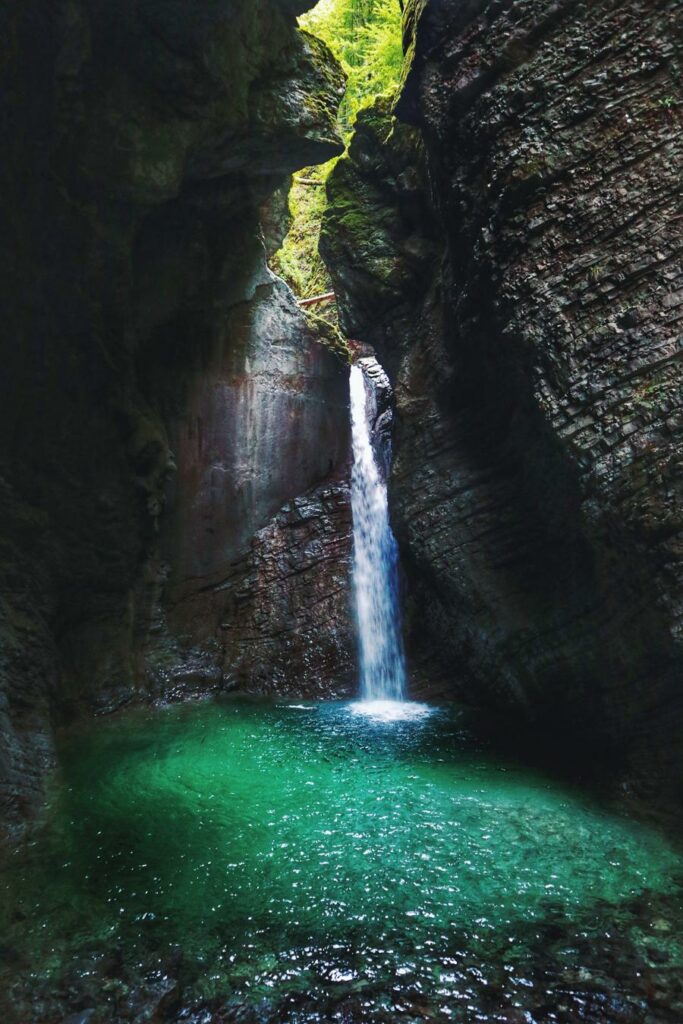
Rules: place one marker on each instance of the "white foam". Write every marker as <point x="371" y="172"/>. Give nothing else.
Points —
<point x="391" y="710"/>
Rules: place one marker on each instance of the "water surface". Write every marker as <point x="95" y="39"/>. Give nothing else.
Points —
<point x="303" y="862"/>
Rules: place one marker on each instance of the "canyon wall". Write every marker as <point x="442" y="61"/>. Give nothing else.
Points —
<point x="172" y="433"/>
<point x="174" y="508"/>
<point x="511" y="247"/>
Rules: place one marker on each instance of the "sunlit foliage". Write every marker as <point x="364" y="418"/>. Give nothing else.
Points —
<point x="365" y="37"/>
<point x="298" y="261"/>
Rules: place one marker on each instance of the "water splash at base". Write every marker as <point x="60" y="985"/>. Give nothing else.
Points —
<point x="391" y="710"/>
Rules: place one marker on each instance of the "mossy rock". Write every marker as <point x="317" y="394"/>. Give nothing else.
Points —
<point x="374" y="232"/>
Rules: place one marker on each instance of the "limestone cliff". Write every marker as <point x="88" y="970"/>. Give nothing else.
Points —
<point x="514" y="256"/>
<point x="157" y="382"/>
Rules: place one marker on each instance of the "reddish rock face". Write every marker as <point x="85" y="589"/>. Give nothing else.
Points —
<point x="257" y="534"/>
<point x="278" y="619"/>
<point x="266" y="421"/>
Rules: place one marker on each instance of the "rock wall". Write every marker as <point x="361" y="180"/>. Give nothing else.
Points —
<point x="146" y="350"/>
<point x="256" y="595"/>
<point x="515" y="259"/>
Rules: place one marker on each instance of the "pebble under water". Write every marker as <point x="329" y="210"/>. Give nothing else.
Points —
<point x="304" y="863"/>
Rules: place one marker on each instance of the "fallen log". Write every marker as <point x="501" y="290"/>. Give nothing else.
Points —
<point x="327" y="297"/>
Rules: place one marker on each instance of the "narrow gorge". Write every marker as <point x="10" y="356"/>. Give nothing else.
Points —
<point x="213" y="543"/>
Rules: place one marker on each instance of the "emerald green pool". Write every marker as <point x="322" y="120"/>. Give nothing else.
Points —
<point x="301" y="862"/>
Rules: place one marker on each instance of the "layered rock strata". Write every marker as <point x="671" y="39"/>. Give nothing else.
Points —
<point x="520" y="275"/>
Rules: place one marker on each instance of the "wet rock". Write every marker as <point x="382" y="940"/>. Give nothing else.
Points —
<point x="276" y="619"/>
<point x="162" y="997"/>
<point x="513" y="263"/>
<point x="136" y="287"/>
<point x="374" y="236"/>
<point x="381" y="411"/>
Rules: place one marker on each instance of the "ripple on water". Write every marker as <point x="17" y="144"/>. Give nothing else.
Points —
<point x="321" y="861"/>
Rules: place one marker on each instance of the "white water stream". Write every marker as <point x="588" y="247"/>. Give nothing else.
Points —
<point x="375" y="570"/>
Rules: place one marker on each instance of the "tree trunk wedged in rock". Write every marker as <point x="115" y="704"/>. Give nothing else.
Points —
<point x="535" y="348"/>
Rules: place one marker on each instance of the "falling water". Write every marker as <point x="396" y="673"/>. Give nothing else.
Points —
<point x="382" y="666"/>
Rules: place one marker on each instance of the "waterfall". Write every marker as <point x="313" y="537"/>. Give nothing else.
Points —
<point x="375" y="564"/>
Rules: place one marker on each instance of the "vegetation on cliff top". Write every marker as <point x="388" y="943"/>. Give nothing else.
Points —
<point x="365" y="37"/>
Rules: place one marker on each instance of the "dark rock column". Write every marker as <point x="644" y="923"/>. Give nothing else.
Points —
<point x="140" y="140"/>
<point x="537" y="486"/>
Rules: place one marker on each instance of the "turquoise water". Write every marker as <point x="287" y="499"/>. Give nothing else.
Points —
<point x="304" y="863"/>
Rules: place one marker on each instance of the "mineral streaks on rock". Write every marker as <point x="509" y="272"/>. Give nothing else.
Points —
<point x="537" y="484"/>
<point x="264" y="421"/>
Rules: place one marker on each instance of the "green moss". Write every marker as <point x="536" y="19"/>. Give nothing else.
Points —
<point x="357" y="220"/>
<point x="327" y="333"/>
<point x="322" y="103"/>
<point x="298" y="261"/>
